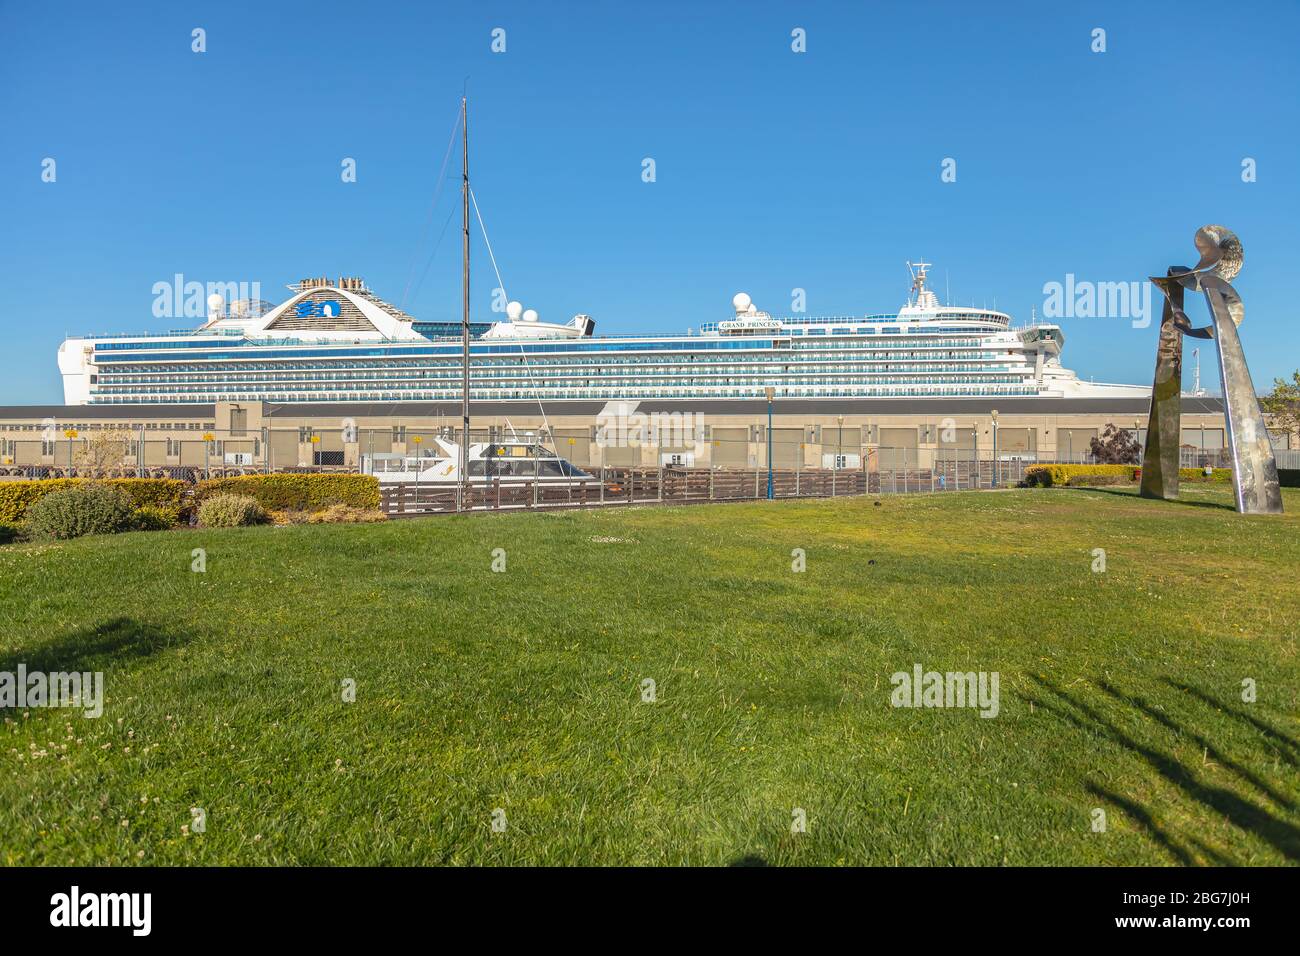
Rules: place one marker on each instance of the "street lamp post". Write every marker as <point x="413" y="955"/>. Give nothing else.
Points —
<point x="70" y="433"/>
<point x="994" y="415"/>
<point x="771" y="394"/>
<point x="207" y="448"/>
<point x="417" y="439"/>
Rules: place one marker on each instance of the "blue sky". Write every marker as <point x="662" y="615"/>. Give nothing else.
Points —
<point x="775" y="170"/>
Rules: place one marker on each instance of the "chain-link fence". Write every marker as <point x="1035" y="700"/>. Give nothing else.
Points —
<point x="675" y="484"/>
<point x="192" y="453"/>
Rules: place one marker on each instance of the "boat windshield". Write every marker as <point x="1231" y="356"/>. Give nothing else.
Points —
<point x="524" y="468"/>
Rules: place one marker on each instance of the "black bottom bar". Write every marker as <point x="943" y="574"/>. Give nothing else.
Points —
<point x="951" y="906"/>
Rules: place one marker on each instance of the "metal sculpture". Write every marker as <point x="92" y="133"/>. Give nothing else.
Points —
<point x="1254" y="469"/>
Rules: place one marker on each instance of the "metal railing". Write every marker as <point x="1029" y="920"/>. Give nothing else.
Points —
<point x="622" y="486"/>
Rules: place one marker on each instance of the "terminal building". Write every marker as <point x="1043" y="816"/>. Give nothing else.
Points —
<point x="850" y="433"/>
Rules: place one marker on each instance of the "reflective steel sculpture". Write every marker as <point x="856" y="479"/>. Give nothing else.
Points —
<point x="1254" y="469"/>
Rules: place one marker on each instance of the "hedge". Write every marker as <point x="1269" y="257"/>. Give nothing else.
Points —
<point x="1288" y="477"/>
<point x="1045" y="476"/>
<point x="297" y="492"/>
<point x="161" y="493"/>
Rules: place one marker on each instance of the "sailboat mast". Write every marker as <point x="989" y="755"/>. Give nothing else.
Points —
<point x="464" y="325"/>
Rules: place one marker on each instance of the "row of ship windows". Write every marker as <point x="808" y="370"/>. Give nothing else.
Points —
<point x="526" y="376"/>
<point x="602" y="394"/>
<point x="576" y="347"/>
<point x="586" y="389"/>
<point x="446" y="330"/>
<point x="996" y="318"/>
<point x="524" y="381"/>
<point x="894" y="345"/>
<point x="417" y="351"/>
<point x="892" y="330"/>
<point x="865" y="361"/>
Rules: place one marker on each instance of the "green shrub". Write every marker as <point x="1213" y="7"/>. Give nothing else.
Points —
<point x="1289" y="477"/>
<point x="231" y="511"/>
<point x="154" y="518"/>
<point x="1047" y="476"/>
<point x="8" y="533"/>
<point x="297" y="492"/>
<point x="17" y="496"/>
<point x="91" y="508"/>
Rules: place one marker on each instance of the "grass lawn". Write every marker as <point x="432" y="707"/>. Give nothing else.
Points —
<point x="520" y="690"/>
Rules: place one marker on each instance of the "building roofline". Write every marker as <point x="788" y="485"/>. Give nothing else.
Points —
<point x="107" y="411"/>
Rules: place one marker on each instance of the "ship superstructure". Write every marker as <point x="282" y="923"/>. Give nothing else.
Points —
<point x="337" y="341"/>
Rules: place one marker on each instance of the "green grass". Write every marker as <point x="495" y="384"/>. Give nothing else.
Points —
<point x="520" y="690"/>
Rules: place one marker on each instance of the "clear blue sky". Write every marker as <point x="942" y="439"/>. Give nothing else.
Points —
<point x="775" y="170"/>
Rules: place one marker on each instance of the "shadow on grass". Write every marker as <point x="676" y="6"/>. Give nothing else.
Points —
<point x="88" y="649"/>
<point x="1148" y="822"/>
<point x="1278" y="833"/>
<point x="1121" y="493"/>
<point x="1209" y="749"/>
<point x="1288" y="748"/>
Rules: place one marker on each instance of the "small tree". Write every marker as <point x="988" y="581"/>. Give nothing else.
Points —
<point x="1283" y="404"/>
<point x="103" y="453"/>
<point x="1116" y="446"/>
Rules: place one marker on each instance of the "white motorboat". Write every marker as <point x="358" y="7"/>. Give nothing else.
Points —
<point x="513" y="461"/>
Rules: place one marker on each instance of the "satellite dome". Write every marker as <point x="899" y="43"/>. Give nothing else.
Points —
<point x="530" y="315"/>
<point x="215" y="302"/>
<point x="741" y="301"/>
<point x="514" y="310"/>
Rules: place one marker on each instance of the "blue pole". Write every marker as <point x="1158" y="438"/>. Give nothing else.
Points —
<point x="995" y="454"/>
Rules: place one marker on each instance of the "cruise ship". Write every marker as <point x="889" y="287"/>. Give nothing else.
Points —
<point x="337" y="341"/>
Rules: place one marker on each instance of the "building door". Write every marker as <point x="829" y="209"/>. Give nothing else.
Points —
<point x="284" y="448"/>
<point x="1015" y="441"/>
<point x="897" y="447"/>
<point x="786" y="452"/>
<point x="730" y="447"/>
